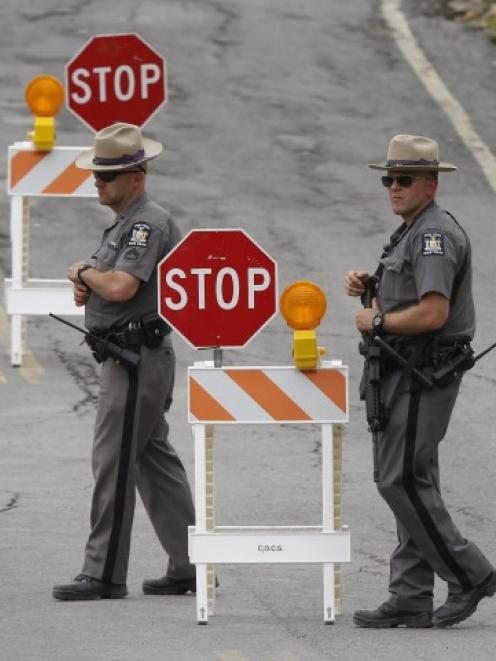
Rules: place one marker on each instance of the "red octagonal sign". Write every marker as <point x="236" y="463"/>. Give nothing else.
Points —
<point x="217" y="288"/>
<point x="115" y="78"/>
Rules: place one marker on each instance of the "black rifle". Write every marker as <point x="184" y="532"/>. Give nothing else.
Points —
<point x="372" y="375"/>
<point x="103" y="348"/>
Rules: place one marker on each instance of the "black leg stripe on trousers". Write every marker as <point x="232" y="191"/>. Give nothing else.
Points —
<point x="409" y="484"/>
<point x="122" y="476"/>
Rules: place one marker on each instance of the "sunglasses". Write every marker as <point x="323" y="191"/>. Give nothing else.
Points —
<point x="110" y="175"/>
<point x="403" y="180"/>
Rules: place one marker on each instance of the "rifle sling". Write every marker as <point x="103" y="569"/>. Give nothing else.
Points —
<point x="413" y="361"/>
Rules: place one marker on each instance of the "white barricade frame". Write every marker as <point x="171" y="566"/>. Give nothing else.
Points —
<point x="33" y="173"/>
<point x="208" y="544"/>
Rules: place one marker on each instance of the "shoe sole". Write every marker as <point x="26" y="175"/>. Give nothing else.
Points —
<point x="168" y="591"/>
<point x="489" y="592"/>
<point x="410" y="622"/>
<point x="172" y="589"/>
<point x="77" y="596"/>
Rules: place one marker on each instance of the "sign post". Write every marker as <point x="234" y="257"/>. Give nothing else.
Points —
<point x="115" y="78"/>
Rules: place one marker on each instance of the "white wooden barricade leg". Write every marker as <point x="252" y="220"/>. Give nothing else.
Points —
<point x="210" y="511"/>
<point x="337" y="442"/>
<point x="204" y="504"/>
<point x="17" y="231"/>
<point x="199" y="432"/>
<point x="328" y="519"/>
<point x="331" y="506"/>
<point x="218" y="395"/>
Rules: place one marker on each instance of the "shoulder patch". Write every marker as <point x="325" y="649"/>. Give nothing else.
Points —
<point x="432" y="243"/>
<point x="139" y="235"/>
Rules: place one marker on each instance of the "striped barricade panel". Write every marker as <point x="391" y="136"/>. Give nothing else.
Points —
<point x="52" y="174"/>
<point x="267" y="394"/>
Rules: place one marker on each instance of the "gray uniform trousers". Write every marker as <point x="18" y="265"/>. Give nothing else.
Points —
<point x="131" y="449"/>
<point x="429" y="542"/>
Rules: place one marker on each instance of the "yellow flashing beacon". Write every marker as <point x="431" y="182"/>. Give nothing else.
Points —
<point x="303" y="304"/>
<point x="44" y="95"/>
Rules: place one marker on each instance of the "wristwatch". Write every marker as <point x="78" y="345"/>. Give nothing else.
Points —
<point x="81" y="269"/>
<point x="378" y="322"/>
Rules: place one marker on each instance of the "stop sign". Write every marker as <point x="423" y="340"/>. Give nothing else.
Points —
<point x="115" y="78"/>
<point x="217" y="288"/>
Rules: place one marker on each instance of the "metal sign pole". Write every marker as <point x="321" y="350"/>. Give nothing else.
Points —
<point x="218" y="356"/>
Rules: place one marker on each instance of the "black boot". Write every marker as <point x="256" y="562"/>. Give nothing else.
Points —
<point x="85" y="587"/>
<point x="167" y="585"/>
<point x="460" y="606"/>
<point x="388" y="616"/>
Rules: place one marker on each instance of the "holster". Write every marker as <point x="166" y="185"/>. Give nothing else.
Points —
<point x="154" y="329"/>
<point x="90" y="341"/>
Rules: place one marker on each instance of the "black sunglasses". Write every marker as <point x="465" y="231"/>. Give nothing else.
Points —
<point x="403" y="180"/>
<point x="110" y="175"/>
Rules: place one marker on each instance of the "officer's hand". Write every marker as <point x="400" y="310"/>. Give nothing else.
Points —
<point x="72" y="271"/>
<point x="354" y="282"/>
<point x="81" y="294"/>
<point x="363" y="319"/>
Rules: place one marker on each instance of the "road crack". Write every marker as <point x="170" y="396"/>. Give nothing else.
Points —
<point x="12" y="503"/>
<point x="84" y="373"/>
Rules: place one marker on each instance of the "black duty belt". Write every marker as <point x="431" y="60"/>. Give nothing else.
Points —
<point x="149" y="331"/>
<point x="431" y="353"/>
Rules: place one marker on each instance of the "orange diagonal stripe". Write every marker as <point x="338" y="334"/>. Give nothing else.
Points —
<point x="332" y="383"/>
<point x="22" y="163"/>
<point x="67" y="181"/>
<point x="269" y="396"/>
<point x="203" y="406"/>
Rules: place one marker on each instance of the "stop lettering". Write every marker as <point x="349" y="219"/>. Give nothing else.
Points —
<point x="226" y="289"/>
<point x="122" y="84"/>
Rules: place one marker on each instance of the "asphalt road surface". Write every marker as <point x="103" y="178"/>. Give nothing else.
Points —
<point x="275" y="107"/>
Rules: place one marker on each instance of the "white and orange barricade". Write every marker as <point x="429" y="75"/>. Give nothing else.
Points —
<point x="267" y="395"/>
<point x="34" y="173"/>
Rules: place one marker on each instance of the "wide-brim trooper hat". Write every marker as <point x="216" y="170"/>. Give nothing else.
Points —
<point x="413" y="152"/>
<point x="118" y="147"/>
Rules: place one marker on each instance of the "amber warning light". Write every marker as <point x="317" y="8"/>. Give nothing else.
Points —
<point x="44" y="96"/>
<point x="303" y="304"/>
